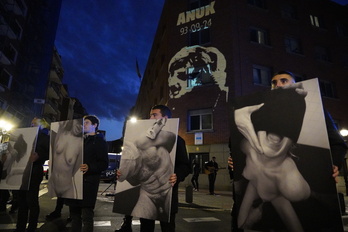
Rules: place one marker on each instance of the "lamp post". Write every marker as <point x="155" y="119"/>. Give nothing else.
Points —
<point x="344" y="133"/>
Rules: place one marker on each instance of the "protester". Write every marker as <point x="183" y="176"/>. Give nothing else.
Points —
<point x="95" y="160"/>
<point x="28" y="200"/>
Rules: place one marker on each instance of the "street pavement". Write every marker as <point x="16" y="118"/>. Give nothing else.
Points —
<point x="205" y="213"/>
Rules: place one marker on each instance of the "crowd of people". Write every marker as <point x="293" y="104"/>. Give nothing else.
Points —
<point x="261" y="145"/>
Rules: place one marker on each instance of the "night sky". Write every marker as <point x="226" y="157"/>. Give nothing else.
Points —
<point x="99" y="42"/>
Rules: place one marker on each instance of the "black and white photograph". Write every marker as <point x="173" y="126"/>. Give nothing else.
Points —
<point x="147" y="162"/>
<point x="283" y="172"/>
<point x="15" y="174"/>
<point x="66" y="156"/>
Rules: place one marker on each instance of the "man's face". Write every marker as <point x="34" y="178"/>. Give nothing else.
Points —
<point x="281" y="80"/>
<point x="88" y="127"/>
<point x="36" y="122"/>
<point x="156" y="114"/>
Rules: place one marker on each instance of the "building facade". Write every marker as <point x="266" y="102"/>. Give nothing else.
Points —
<point x="206" y="53"/>
<point x="27" y="34"/>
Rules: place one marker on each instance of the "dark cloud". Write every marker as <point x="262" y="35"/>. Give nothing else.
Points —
<point x="99" y="42"/>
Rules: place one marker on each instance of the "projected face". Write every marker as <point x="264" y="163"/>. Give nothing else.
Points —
<point x="196" y="66"/>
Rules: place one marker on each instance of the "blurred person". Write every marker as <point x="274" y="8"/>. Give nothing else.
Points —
<point x="196" y="171"/>
<point x="28" y="200"/>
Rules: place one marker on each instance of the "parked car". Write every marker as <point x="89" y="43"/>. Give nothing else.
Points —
<point x="110" y="173"/>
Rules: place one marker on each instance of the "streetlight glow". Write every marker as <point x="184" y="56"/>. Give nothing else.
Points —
<point x="344" y="132"/>
<point x="5" y="126"/>
<point x="133" y="119"/>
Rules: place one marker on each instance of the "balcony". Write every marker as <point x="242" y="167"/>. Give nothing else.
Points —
<point x="56" y="74"/>
<point x="51" y="107"/>
<point x="3" y="59"/>
<point x="18" y="7"/>
<point x="53" y="91"/>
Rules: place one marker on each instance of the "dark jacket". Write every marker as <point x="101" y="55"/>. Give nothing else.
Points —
<point x="33" y="172"/>
<point x="95" y="155"/>
<point x="42" y="146"/>
<point x="182" y="168"/>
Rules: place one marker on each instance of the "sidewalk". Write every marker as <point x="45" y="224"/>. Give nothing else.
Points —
<point x="223" y="201"/>
<point x="202" y="199"/>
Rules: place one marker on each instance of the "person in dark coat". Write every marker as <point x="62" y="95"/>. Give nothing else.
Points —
<point x="212" y="167"/>
<point x="95" y="160"/>
<point x="196" y="171"/>
<point x="28" y="200"/>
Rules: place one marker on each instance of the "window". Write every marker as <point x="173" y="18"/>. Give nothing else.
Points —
<point x="199" y="37"/>
<point x="342" y="29"/>
<point x="261" y="75"/>
<point x="22" y="6"/>
<point x="5" y="78"/>
<point x="293" y="45"/>
<point x="200" y="120"/>
<point x="289" y="11"/>
<point x="2" y="103"/>
<point x="257" y="3"/>
<point x="11" y="53"/>
<point x="198" y="76"/>
<point x="194" y="4"/>
<point x="17" y="29"/>
<point x="200" y="159"/>
<point x="316" y="21"/>
<point x="259" y="36"/>
<point x="322" y="53"/>
<point x="327" y="89"/>
<point x="345" y="60"/>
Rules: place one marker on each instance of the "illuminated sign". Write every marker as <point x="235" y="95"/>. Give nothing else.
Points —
<point x="198" y="13"/>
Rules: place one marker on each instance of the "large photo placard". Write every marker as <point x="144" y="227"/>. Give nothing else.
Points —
<point x="16" y="168"/>
<point x="66" y="156"/>
<point x="282" y="162"/>
<point x="148" y="156"/>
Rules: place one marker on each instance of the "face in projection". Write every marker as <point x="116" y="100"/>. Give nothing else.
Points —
<point x="178" y="83"/>
<point x="203" y="65"/>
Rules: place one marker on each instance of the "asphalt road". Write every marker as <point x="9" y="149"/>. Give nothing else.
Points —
<point x="205" y="213"/>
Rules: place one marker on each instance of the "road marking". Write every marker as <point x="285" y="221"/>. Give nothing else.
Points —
<point x="13" y="226"/>
<point x="43" y="191"/>
<point x="202" y="219"/>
